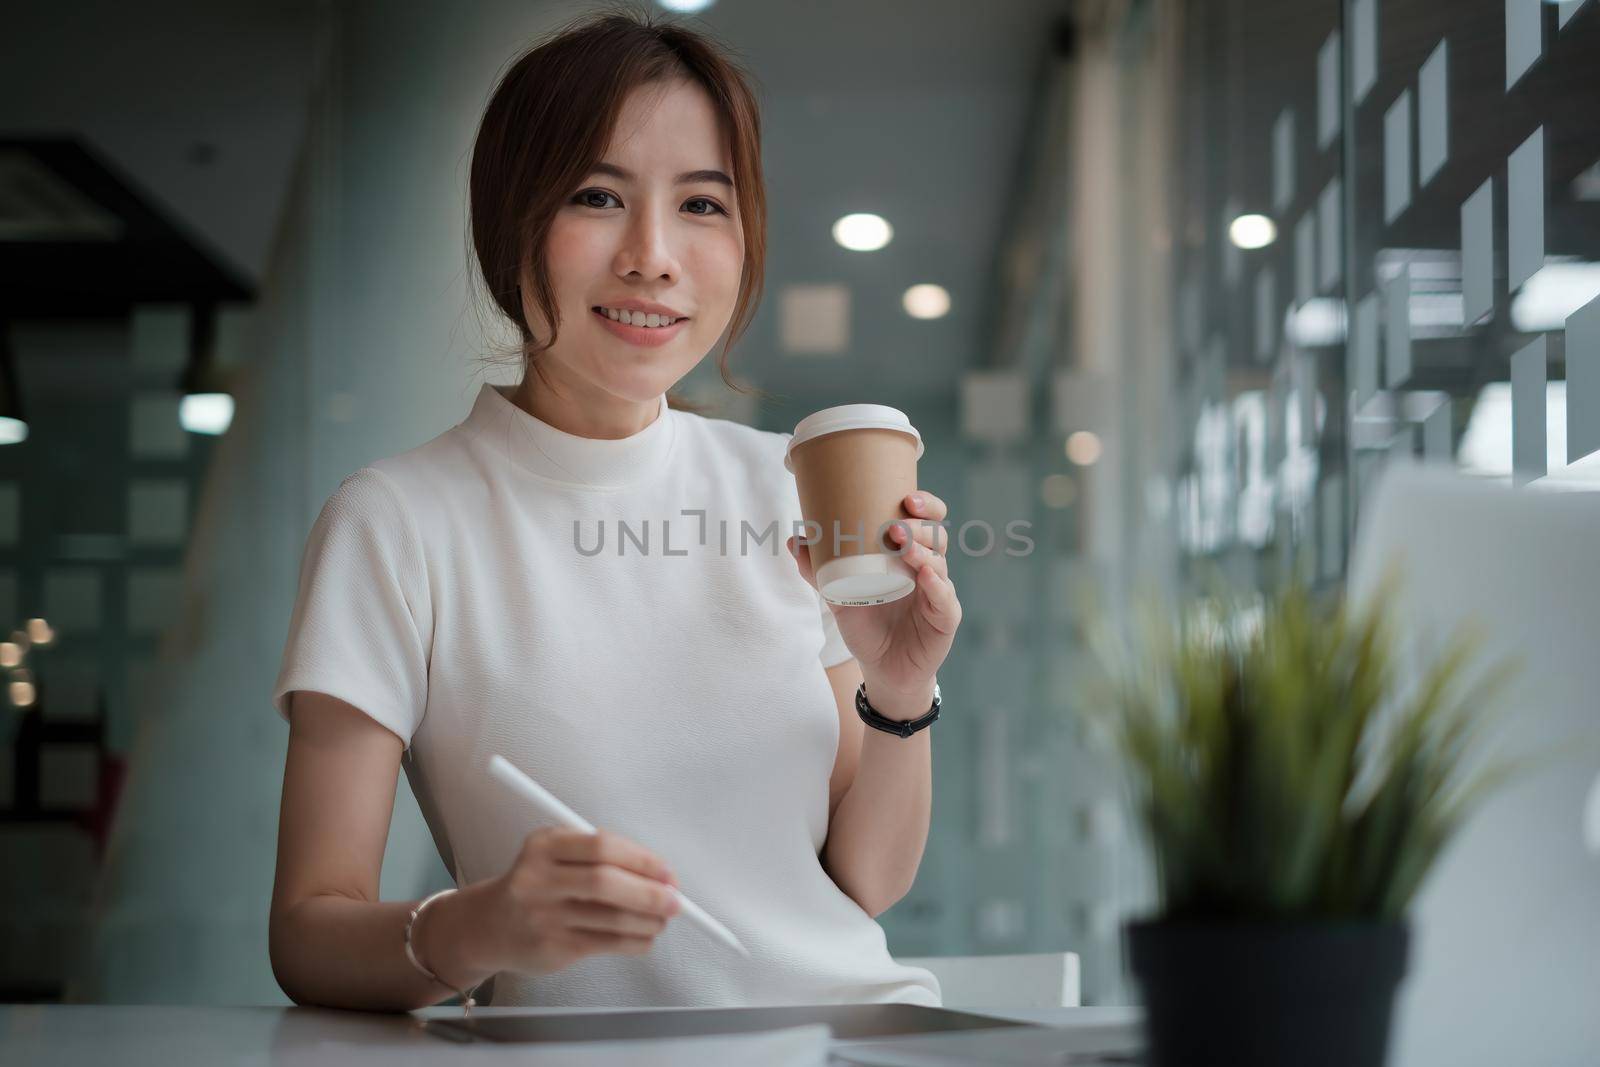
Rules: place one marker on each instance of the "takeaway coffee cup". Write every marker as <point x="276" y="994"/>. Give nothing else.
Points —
<point x="854" y="466"/>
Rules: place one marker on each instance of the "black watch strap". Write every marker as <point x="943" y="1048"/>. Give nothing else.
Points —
<point x="870" y="716"/>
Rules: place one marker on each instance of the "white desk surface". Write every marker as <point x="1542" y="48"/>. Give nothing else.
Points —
<point x="169" y="1035"/>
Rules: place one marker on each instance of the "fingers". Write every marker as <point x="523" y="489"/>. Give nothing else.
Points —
<point x="926" y="532"/>
<point x="941" y="608"/>
<point x="916" y="552"/>
<point x="932" y="539"/>
<point x="603" y="918"/>
<point x="802" y="558"/>
<point x="603" y="846"/>
<point x="602" y="883"/>
<point x="591" y="942"/>
<point x="924" y="505"/>
<point x="925" y="555"/>
<point x="572" y="894"/>
<point x="607" y="868"/>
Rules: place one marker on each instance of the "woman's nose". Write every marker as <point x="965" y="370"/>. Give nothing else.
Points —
<point x="647" y="248"/>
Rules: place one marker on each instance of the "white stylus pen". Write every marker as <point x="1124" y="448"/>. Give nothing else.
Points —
<point x="551" y="808"/>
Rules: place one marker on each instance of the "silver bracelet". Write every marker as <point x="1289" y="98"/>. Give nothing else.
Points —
<point x="467" y="1001"/>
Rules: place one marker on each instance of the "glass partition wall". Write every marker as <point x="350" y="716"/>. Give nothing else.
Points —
<point x="1289" y="242"/>
<point x="1390" y="214"/>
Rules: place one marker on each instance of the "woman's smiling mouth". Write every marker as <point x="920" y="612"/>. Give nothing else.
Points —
<point x="643" y="333"/>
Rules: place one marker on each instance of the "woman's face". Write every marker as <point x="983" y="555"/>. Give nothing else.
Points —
<point x="654" y="223"/>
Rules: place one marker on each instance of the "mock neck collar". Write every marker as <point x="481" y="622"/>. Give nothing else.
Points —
<point x="586" y="462"/>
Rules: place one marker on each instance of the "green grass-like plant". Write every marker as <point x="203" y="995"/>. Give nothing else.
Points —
<point x="1281" y="767"/>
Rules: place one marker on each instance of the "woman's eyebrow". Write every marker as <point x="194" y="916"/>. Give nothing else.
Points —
<point x="688" y="177"/>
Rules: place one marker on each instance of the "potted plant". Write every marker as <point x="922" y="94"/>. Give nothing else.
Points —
<point x="1294" y="787"/>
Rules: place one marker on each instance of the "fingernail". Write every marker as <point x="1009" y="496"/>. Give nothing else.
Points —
<point x="916" y="501"/>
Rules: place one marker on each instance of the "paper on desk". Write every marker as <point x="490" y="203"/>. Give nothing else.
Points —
<point x="1109" y="1043"/>
<point x="793" y="1046"/>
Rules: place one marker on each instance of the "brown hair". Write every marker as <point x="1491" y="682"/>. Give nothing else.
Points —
<point x="551" y="118"/>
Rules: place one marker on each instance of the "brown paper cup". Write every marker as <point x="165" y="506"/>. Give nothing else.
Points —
<point x="854" y="465"/>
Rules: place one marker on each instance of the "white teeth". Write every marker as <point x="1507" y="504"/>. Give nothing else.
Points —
<point x="637" y="318"/>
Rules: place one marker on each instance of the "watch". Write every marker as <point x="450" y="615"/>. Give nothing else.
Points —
<point x="870" y="716"/>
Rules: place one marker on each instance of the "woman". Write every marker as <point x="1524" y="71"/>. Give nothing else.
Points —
<point x="689" y="693"/>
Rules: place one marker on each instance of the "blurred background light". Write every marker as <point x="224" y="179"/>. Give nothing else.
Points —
<point x="13" y="421"/>
<point x="1551" y="296"/>
<point x="206" y="412"/>
<point x="1083" y="448"/>
<point x="1058" y="490"/>
<point x="1486" y="443"/>
<point x="1317" y="323"/>
<point x="12" y="431"/>
<point x="1252" y="231"/>
<point x="863" y="232"/>
<point x="1591" y="818"/>
<point x="926" y="301"/>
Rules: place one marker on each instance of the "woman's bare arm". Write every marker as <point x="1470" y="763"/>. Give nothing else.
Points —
<point x="331" y="941"/>
<point x="880" y="800"/>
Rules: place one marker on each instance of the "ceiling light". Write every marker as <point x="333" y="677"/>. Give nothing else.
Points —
<point x="686" y="7"/>
<point x="926" y="301"/>
<point x="1252" y="231"/>
<point x="863" y="232"/>
<point x="207" y="406"/>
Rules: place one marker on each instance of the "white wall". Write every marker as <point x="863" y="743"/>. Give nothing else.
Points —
<point x="363" y="346"/>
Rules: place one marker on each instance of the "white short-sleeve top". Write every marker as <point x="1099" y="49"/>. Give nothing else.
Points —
<point x="621" y="620"/>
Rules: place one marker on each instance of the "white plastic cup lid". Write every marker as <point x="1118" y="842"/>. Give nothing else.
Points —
<point x="850" y="417"/>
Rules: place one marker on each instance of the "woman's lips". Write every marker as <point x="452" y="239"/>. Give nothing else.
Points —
<point x="647" y="336"/>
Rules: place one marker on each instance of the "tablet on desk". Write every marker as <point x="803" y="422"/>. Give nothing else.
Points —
<point x="850" y="1022"/>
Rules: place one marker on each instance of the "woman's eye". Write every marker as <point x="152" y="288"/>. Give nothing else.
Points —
<point x="586" y="199"/>
<point x="711" y="204"/>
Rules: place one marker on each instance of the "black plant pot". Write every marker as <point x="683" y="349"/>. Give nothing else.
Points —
<point x="1253" y="994"/>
